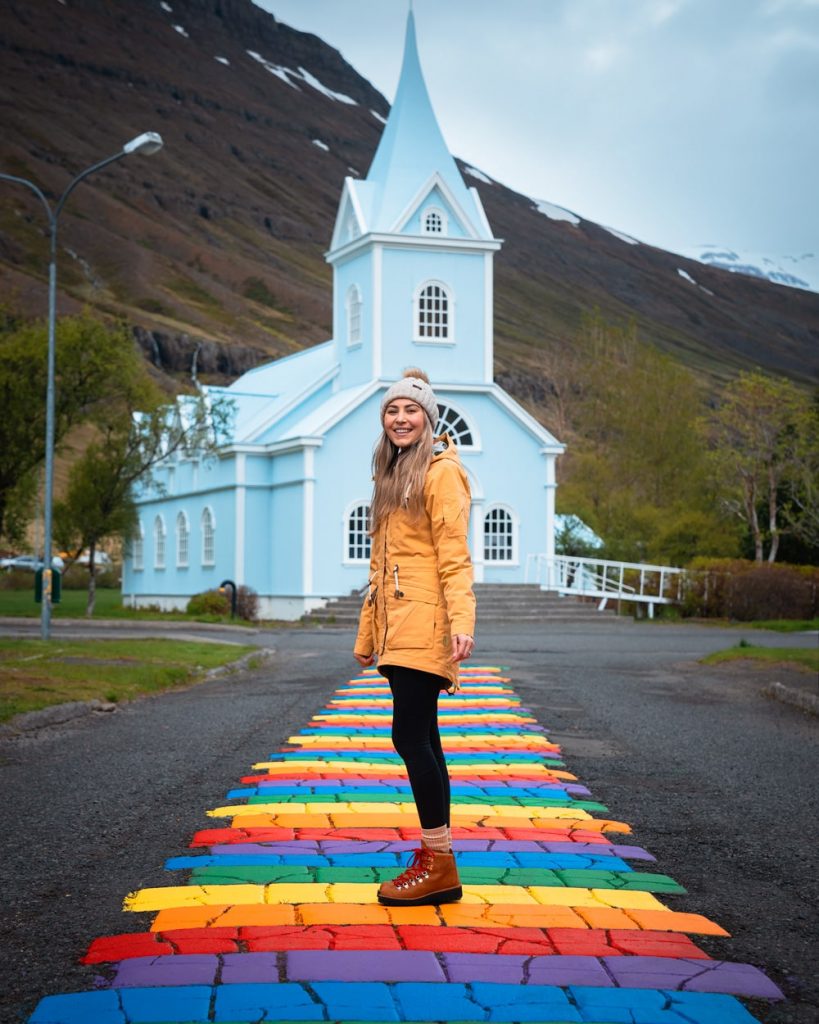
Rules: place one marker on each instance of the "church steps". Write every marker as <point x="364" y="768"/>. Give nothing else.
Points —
<point x="497" y="602"/>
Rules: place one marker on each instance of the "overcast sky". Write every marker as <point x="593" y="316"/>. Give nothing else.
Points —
<point x="681" y="122"/>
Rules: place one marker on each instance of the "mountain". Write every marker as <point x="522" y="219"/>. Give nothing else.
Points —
<point x="213" y="248"/>
<point x="794" y="271"/>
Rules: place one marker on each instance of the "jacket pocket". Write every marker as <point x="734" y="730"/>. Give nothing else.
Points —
<point x="456" y="518"/>
<point x="411" y="619"/>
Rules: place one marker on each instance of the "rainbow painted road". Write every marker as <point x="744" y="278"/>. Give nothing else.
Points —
<point x="278" y="920"/>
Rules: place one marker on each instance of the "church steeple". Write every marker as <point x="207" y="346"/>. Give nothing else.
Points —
<point x="412" y="254"/>
<point x="412" y="149"/>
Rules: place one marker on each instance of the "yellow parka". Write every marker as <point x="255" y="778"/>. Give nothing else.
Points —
<point x="420" y="586"/>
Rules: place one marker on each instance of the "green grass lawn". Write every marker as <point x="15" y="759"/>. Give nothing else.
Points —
<point x="806" y="658"/>
<point x="72" y="606"/>
<point x="35" y="674"/>
<point x="786" y="625"/>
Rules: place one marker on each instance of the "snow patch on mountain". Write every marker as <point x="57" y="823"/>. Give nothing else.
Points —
<point x="223" y="60"/>
<point x="182" y="31"/>
<point x="378" y="116"/>
<point x="321" y="145"/>
<point x="287" y="74"/>
<point x="475" y="173"/>
<point x="687" y="277"/>
<point x="312" y="80"/>
<point x="555" y="212"/>
<point x="619" y="234"/>
<point x="793" y="271"/>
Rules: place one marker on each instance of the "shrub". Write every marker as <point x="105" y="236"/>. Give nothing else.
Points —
<point x="746" y="591"/>
<point x="247" y="603"/>
<point x="210" y="602"/>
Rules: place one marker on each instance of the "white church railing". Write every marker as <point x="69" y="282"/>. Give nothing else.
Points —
<point x="606" y="580"/>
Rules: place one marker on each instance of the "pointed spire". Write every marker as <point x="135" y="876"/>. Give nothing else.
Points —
<point x="412" y="147"/>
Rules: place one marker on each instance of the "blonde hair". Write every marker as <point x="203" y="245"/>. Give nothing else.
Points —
<point x="399" y="474"/>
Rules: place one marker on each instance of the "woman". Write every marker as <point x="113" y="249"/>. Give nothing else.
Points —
<point x="419" y="616"/>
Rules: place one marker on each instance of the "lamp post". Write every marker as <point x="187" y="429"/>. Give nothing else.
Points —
<point x="146" y="143"/>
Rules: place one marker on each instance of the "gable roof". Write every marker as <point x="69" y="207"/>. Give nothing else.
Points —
<point x="269" y="392"/>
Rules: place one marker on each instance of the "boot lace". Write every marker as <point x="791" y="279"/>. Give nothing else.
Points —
<point x="416" y="871"/>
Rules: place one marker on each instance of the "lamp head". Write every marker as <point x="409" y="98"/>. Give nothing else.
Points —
<point x="147" y="143"/>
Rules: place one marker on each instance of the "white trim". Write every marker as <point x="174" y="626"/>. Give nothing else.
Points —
<point x="488" y="319"/>
<point x="448" y="244"/>
<point x="202" y="559"/>
<point x="139" y="565"/>
<point x="551" y="492"/>
<point x="182" y="515"/>
<point x="449" y="294"/>
<point x="441" y="214"/>
<point x="476" y="197"/>
<point x="349" y="200"/>
<point x="353" y="297"/>
<point x="502" y="562"/>
<point x="345" y="532"/>
<point x="240" y="513"/>
<point x="436" y="181"/>
<point x="289" y="444"/>
<point x="159" y="518"/>
<point x="476" y="512"/>
<point x="476" y="445"/>
<point x="308" y="520"/>
<point x="378" y="297"/>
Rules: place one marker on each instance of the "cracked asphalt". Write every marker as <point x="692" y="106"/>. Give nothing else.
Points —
<point x="717" y="781"/>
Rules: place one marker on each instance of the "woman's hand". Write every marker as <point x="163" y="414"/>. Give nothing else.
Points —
<point x="364" y="660"/>
<point x="462" y="646"/>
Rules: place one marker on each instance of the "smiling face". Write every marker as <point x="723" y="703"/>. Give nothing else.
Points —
<point x="404" y="422"/>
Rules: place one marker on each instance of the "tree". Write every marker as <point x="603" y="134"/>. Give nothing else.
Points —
<point x="802" y="487"/>
<point x="89" y="360"/>
<point x="764" y="440"/>
<point x="637" y="472"/>
<point x="134" y="436"/>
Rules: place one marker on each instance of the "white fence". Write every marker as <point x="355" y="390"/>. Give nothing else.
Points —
<point x="606" y="580"/>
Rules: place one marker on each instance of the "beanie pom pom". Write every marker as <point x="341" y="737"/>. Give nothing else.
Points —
<point x="414" y="371"/>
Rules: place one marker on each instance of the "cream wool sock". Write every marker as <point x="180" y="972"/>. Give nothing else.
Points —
<point x="436" y="839"/>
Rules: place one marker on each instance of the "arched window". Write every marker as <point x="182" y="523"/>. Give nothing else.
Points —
<point x="208" y="537"/>
<point x="433" y="313"/>
<point x="499" y="535"/>
<point x="451" y="422"/>
<point x="159" y="543"/>
<point x="138" y="548"/>
<point x="433" y="221"/>
<point x="182" y="538"/>
<point x="353" y="303"/>
<point x="356" y="537"/>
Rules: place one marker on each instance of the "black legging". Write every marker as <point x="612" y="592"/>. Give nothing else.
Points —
<point x="417" y="741"/>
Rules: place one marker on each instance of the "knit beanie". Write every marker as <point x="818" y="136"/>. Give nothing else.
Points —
<point x="415" y="386"/>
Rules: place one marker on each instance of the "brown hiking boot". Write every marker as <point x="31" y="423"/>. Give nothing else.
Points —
<point x="430" y="879"/>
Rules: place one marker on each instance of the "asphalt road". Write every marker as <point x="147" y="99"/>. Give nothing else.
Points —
<point x="717" y="781"/>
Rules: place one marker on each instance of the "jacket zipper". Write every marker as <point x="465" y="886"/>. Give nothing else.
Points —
<point x="384" y="588"/>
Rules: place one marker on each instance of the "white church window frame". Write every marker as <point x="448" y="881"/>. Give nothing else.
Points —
<point x="357" y="541"/>
<point x="208" y="526"/>
<point x="160" y="538"/>
<point x="433" y="314"/>
<point x="353" y="306"/>
<point x="452" y="421"/>
<point x="434" y="221"/>
<point x="183" y="540"/>
<point x="138" y="548"/>
<point x="500" y="536"/>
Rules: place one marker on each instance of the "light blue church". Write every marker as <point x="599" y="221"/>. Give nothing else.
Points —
<point x="283" y="509"/>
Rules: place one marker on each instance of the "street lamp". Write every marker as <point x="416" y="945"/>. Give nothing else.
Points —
<point x="146" y="143"/>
